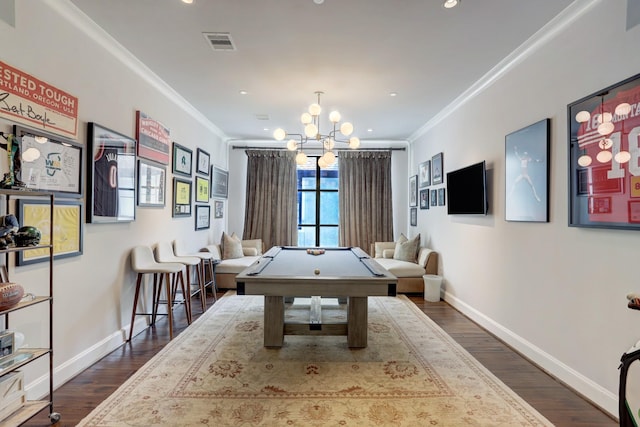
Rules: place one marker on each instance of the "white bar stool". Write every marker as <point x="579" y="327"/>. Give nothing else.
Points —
<point x="143" y="262"/>
<point x="206" y="259"/>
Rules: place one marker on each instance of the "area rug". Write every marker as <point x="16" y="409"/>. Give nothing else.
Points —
<point x="218" y="373"/>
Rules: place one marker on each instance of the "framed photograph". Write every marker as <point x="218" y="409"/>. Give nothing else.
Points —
<point x="203" y="217"/>
<point x="181" y="197"/>
<point x="527" y="173"/>
<point x="441" y="193"/>
<point x="67" y="228"/>
<point x="424" y="198"/>
<point x="219" y="182"/>
<point x="424" y="174"/>
<point x="154" y="139"/>
<point x="182" y="160"/>
<point x="45" y="162"/>
<point x="414" y="217"/>
<point x="152" y="184"/>
<point x="204" y="162"/>
<point x="111" y="176"/>
<point x="202" y="189"/>
<point x="436" y="169"/>
<point x="413" y="190"/>
<point x="434" y="197"/>
<point x="218" y="209"/>
<point x="604" y="181"/>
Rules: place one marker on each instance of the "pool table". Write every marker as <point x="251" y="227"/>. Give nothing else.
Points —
<point x="346" y="273"/>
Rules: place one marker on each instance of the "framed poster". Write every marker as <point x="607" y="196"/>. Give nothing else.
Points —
<point x="219" y="182"/>
<point x="152" y="184"/>
<point x="182" y="160"/>
<point x="204" y="162"/>
<point x="413" y="190"/>
<point x="203" y="217"/>
<point x="414" y="217"/>
<point x="202" y="189"/>
<point x="434" y="197"/>
<point x="46" y="162"/>
<point x="424" y="198"/>
<point x="218" y="208"/>
<point x="527" y="173"/>
<point x="436" y="169"/>
<point x="604" y="171"/>
<point x="441" y="193"/>
<point x="67" y="228"/>
<point x="424" y="174"/>
<point x="153" y="138"/>
<point x="111" y="176"/>
<point x="181" y="197"/>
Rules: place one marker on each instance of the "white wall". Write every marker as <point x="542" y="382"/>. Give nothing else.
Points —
<point x="94" y="292"/>
<point x="554" y="292"/>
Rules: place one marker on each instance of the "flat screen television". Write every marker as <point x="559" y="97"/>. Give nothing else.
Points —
<point x="467" y="190"/>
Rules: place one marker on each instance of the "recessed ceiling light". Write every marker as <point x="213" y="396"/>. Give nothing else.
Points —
<point x="448" y="4"/>
<point x="369" y="130"/>
<point x="318" y="1"/>
<point x="393" y="94"/>
<point x="243" y="92"/>
<point x="187" y="1"/>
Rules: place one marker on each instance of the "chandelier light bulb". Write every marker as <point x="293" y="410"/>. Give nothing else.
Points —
<point x="329" y="157"/>
<point x="334" y="117"/>
<point x="315" y="109"/>
<point x="583" y="116"/>
<point x="311" y="130"/>
<point x="623" y="109"/>
<point x="605" y="128"/>
<point x="346" y="128"/>
<point x="292" y="145"/>
<point x="306" y="118"/>
<point x="354" y="142"/>
<point x="279" y="134"/>
<point x="31" y="154"/>
<point x="322" y="163"/>
<point x="605" y="144"/>
<point x="604" y="156"/>
<point x="41" y="139"/>
<point x="622" y="157"/>
<point x="301" y="158"/>
<point x="606" y="117"/>
<point x="584" y="160"/>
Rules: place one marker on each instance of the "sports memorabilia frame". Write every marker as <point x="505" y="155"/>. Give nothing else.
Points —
<point x="181" y="197"/>
<point x="604" y="160"/>
<point x="202" y="189"/>
<point x="49" y="162"/>
<point x="424" y="174"/>
<point x="182" y="160"/>
<point x="413" y="190"/>
<point x="219" y="182"/>
<point x="218" y="209"/>
<point x="152" y="184"/>
<point x="203" y="162"/>
<point x="67" y="239"/>
<point x="111" y="176"/>
<point x="437" y="175"/>
<point x="203" y="217"/>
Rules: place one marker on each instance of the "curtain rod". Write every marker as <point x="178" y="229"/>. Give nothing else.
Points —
<point x="240" y="147"/>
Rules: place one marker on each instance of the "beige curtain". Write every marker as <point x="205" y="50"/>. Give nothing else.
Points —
<point x="270" y="207"/>
<point x="366" y="213"/>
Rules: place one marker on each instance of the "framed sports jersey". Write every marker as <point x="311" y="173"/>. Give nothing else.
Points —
<point x="111" y="176"/>
<point x="604" y="157"/>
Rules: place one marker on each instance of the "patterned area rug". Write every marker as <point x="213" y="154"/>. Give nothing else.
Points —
<point x="218" y="373"/>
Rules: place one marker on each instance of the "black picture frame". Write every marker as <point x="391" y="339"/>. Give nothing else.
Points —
<point x="441" y="194"/>
<point x="67" y="232"/>
<point x="413" y="217"/>
<point x="424" y="198"/>
<point x="58" y="167"/>
<point x="434" y="197"/>
<point x="181" y="197"/>
<point x="152" y="184"/>
<point x="219" y="183"/>
<point x="424" y="174"/>
<point x="202" y="189"/>
<point x="604" y="180"/>
<point x="437" y="173"/>
<point x="203" y="217"/>
<point x="527" y="173"/>
<point x="203" y="162"/>
<point x="182" y="160"/>
<point x="413" y="190"/>
<point x="218" y="209"/>
<point x="111" y="176"/>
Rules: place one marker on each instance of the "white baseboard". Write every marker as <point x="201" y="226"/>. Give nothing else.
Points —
<point x="590" y="390"/>
<point x="39" y="388"/>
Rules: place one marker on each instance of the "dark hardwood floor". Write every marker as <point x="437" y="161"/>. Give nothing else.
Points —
<point x="559" y="404"/>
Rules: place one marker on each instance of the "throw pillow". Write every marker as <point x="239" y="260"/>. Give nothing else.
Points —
<point x="380" y="247"/>
<point x="232" y="247"/>
<point x="253" y="243"/>
<point x="388" y="253"/>
<point x="407" y="250"/>
<point x="249" y="251"/>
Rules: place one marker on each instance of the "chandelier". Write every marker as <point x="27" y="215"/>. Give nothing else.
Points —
<point x="311" y="123"/>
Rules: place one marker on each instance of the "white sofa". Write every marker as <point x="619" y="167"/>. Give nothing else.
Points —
<point x="227" y="269"/>
<point x="409" y="274"/>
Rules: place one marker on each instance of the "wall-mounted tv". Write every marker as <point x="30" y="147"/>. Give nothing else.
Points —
<point x="467" y="190"/>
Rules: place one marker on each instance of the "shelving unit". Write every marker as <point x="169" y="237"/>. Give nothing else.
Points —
<point x="23" y="357"/>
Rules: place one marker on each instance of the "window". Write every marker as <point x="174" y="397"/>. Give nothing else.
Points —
<point x="318" y="216"/>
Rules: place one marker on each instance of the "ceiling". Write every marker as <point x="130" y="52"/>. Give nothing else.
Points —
<point x="357" y="52"/>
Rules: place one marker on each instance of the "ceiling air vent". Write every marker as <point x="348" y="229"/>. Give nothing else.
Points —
<point x="220" y="41"/>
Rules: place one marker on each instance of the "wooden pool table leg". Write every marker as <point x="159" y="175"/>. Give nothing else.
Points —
<point x="357" y="320"/>
<point x="273" y="321"/>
